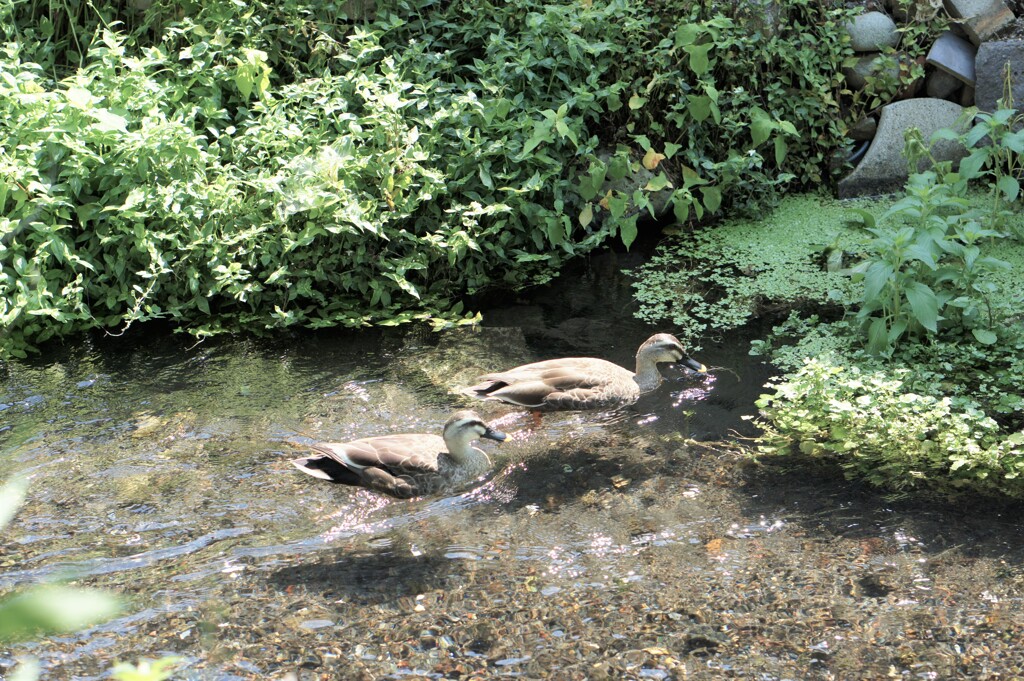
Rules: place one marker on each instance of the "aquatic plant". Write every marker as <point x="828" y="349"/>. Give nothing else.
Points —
<point x="717" y="279"/>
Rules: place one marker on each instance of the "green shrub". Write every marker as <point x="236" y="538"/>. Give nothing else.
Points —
<point x="877" y="430"/>
<point x="929" y="267"/>
<point x="206" y="181"/>
<point x="736" y="101"/>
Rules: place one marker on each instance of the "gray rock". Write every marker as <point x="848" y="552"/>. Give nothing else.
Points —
<point x="884" y="169"/>
<point x="955" y="56"/>
<point x="915" y="11"/>
<point x="967" y="96"/>
<point x="864" y="129"/>
<point x="981" y="18"/>
<point x="990" y="69"/>
<point x="758" y="16"/>
<point x="869" y="65"/>
<point x="872" y="31"/>
<point x="941" y="84"/>
<point x="637" y="178"/>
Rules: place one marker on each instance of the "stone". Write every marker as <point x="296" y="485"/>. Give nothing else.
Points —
<point x="980" y="19"/>
<point x="967" y="96"/>
<point x="872" y="31"/>
<point x="758" y="16"/>
<point x="884" y="169"/>
<point x="990" y="68"/>
<point x="955" y="56"/>
<point x="984" y="26"/>
<point x="914" y="11"/>
<point x="867" y="66"/>
<point x="941" y="84"/>
<point x="636" y="178"/>
<point x="864" y="129"/>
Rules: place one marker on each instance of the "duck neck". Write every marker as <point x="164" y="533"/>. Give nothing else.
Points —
<point x="647" y="375"/>
<point x="463" y="453"/>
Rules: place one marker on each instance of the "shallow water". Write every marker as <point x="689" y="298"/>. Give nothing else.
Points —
<point x="604" y="545"/>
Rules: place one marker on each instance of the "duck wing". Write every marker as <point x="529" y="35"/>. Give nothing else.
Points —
<point x="396" y="465"/>
<point x="568" y="383"/>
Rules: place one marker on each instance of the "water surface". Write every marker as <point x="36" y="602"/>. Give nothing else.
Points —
<point x="637" y="544"/>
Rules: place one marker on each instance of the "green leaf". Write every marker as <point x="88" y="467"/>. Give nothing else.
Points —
<point x="781" y="150"/>
<point x="878" y="337"/>
<point x="944" y="134"/>
<point x="54" y="609"/>
<point x="541" y="133"/>
<point x="1014" y="141"/>
<point x="686" y="34"/>
<point x="712" y="198"/>
<point x="877" y="276"/>
<point x="681" y="209"/>
<point x="699" y="61"/>
<point x="867" y="218"/>
<point x="761" y="126"/>
<point x="628" y="231"/>
<point x="107" y="121"/>
<point x="970" y="167"/>
<point x="587" y="214"/>
<point x="617" y="206"/>
<point x="924" y="305"/>
<point x="984" y="336"/>
<point x="897" y="330"/>
<point x="657" y="183"/>
<point x="588" y="188"/>
<point x="1009" y="186"/>
<point x="12" y="496"/>
<point x="618" y="167"/>
<point x="922" y="253"/>
<point x="637" y="102"/>
<point x="79" y="97"/>
<point x="699" y="107"/>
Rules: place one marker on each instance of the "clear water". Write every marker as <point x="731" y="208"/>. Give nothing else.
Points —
<point x="603" y="545"/>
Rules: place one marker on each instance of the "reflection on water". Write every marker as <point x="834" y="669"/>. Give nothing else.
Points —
<point x="603" y="545"/>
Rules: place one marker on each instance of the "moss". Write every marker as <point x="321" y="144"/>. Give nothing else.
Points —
<point x="724" y="276"/>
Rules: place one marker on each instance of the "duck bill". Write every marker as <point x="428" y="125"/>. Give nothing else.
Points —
<point x="694" y="364"/>
<point x="492" y="434"/>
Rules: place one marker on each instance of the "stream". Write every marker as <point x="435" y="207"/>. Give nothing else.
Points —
<point x="642" y="543"/>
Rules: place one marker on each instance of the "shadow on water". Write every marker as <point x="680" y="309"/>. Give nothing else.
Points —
<point x="636" y="544"/>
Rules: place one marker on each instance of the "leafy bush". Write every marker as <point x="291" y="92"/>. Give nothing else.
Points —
<point x="192" y="181"/>
<point x="927" y="273"/>
<point x="261" y="165"/>
<point x="733" y="102"/>
<point x="868" y="423"/>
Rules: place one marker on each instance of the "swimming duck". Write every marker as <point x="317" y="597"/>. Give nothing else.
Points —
<point x="584" y="382"/>
<point x="406" y="465"/>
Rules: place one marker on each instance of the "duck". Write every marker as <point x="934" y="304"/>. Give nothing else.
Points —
<point x="406" y="465"/>
<point x="580" y="383"/>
